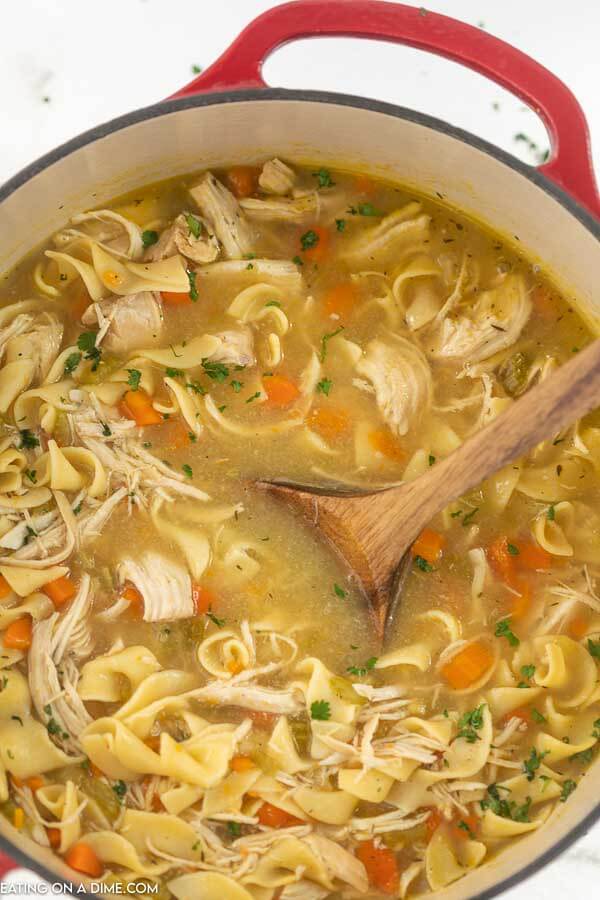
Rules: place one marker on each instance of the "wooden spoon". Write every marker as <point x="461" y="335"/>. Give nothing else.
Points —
<point x="373" y="531"/>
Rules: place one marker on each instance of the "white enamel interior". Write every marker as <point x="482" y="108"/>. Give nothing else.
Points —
<point x="390" y="146"/>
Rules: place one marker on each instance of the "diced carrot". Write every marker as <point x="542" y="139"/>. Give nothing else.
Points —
<point x="330" y="423"/>
<point x="520" y="602"/>
<point x="384" y="442"/>
<point x="18" y="818"/>
<point x="281" y="391"/>
<point x="543" y="302"/>
<point x="175" y="298"/>
<point x="318" y="251"/>
<point x="5" y="588"/>
<point x="363" y="184"/>
<point x="264" y="720"/>
<point x="532" y="556"/>
<point x="501" y="561"/>
<point x="80" y="304"/>
<point x="340" y="300"/>
<point x="95" y="770"/>
<point x="137" y="405"/>
<point x="18" y="634"/>
<point x="242" y="180"/>
<point x="273" y="817"/>
<point x="523" y="713"/>
<point x="468" y="665"/>
<point x="242" y="764"/>
<point x="203" y="599"/>
<point x="35" y="783"/>
<point x="133" y="597"/>
<point x="381" y="866"/>
<point x="54" y="836"/>
<point x="60" y="591"/>
<point x="177" y="434"/>
<point x="83" y="859"/>
<point x="434" y="821"/>
<point x="465" y="826"/>
<point x="429" y="545"/>
<point x="578" y="626"/>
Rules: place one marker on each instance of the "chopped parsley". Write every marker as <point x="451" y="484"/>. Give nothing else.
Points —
<point x="513" y="549"/>
<point x="120" y="789"/>
<point x="254" y="396"/>
<point x="135" y="376"/>
<point x="195" y="387"/>
<point x="364" y="209"/>
<point x="532" y="764"/>
<point x="194" y="226"/>
<point x="567" y="789"/>
<point x="196" y="69"/>
<point x="324" y="386"/>
<point x="361" y="671"/>
<point x="309" y="239"/>
<point x="422" y="564"/>
<point x="71" y="363"/>
<point x="149" y="237"/>
<point x="297" y="261"/>
<point x="503" y="630"/>
<point x="470" y="723"/>
<point x="187" y="471"/>
<point x="325" y="340"/>
<point x="593" y="648"/>
<point x="273" y="303"/>
<point x="216" y="370"/>
<point x="87" y="344"/>
<point x="469" y="517"/>
<point x="528" y="671"/>
<point x="464" y="826"/>
<point x="215" y="619"/>
<point x="550" y="513"/>
<point x="320" y="710"/>
<point x="340" y="224"/>
<point x="173" y="373"/>
<point x="28" y="439"/>
<point x="31" y="474"/>
<point x="431" y="459"/>
<point x="339" y="592"/>
<point x="503" y="807"/>
<point x="237" y="385"/>
<point x="193" y="292"/>
<point x="538" y="717"/>
<point x="324" y="177"/>
<point x="234" y="829"/>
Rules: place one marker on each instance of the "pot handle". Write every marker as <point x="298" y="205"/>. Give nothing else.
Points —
<point x="570" y="163"/>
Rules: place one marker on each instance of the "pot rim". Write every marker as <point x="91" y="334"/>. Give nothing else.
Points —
<point x="165" y="107"/>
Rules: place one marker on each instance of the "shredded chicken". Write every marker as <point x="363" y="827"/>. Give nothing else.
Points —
<point x="493" y="323"/>
<point x="276" y="177"/>
<point x="181" y="237"/>
<point x="57" y="645"/>
<point x="297" y="210"/>
<point x="402" y="381"/>
<point x="224" y="215"/>
<point x="237" y="348"/>
<point x="133" y="321"/>
<point x="165" y="586"/>
<point x="40" y="343"/>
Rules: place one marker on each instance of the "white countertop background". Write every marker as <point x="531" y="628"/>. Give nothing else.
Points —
<point x="67" y="65"/>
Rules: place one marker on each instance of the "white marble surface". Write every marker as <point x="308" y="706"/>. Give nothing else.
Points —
<point x="67" y="65"/>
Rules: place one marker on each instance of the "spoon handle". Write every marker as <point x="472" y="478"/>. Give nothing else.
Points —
<point x="571" y="392"/>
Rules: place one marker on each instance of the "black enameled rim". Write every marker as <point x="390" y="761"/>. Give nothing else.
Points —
<point x="531" y="173"/>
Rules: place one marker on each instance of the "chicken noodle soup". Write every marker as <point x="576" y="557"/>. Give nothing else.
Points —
<point x="192" y="693"/>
